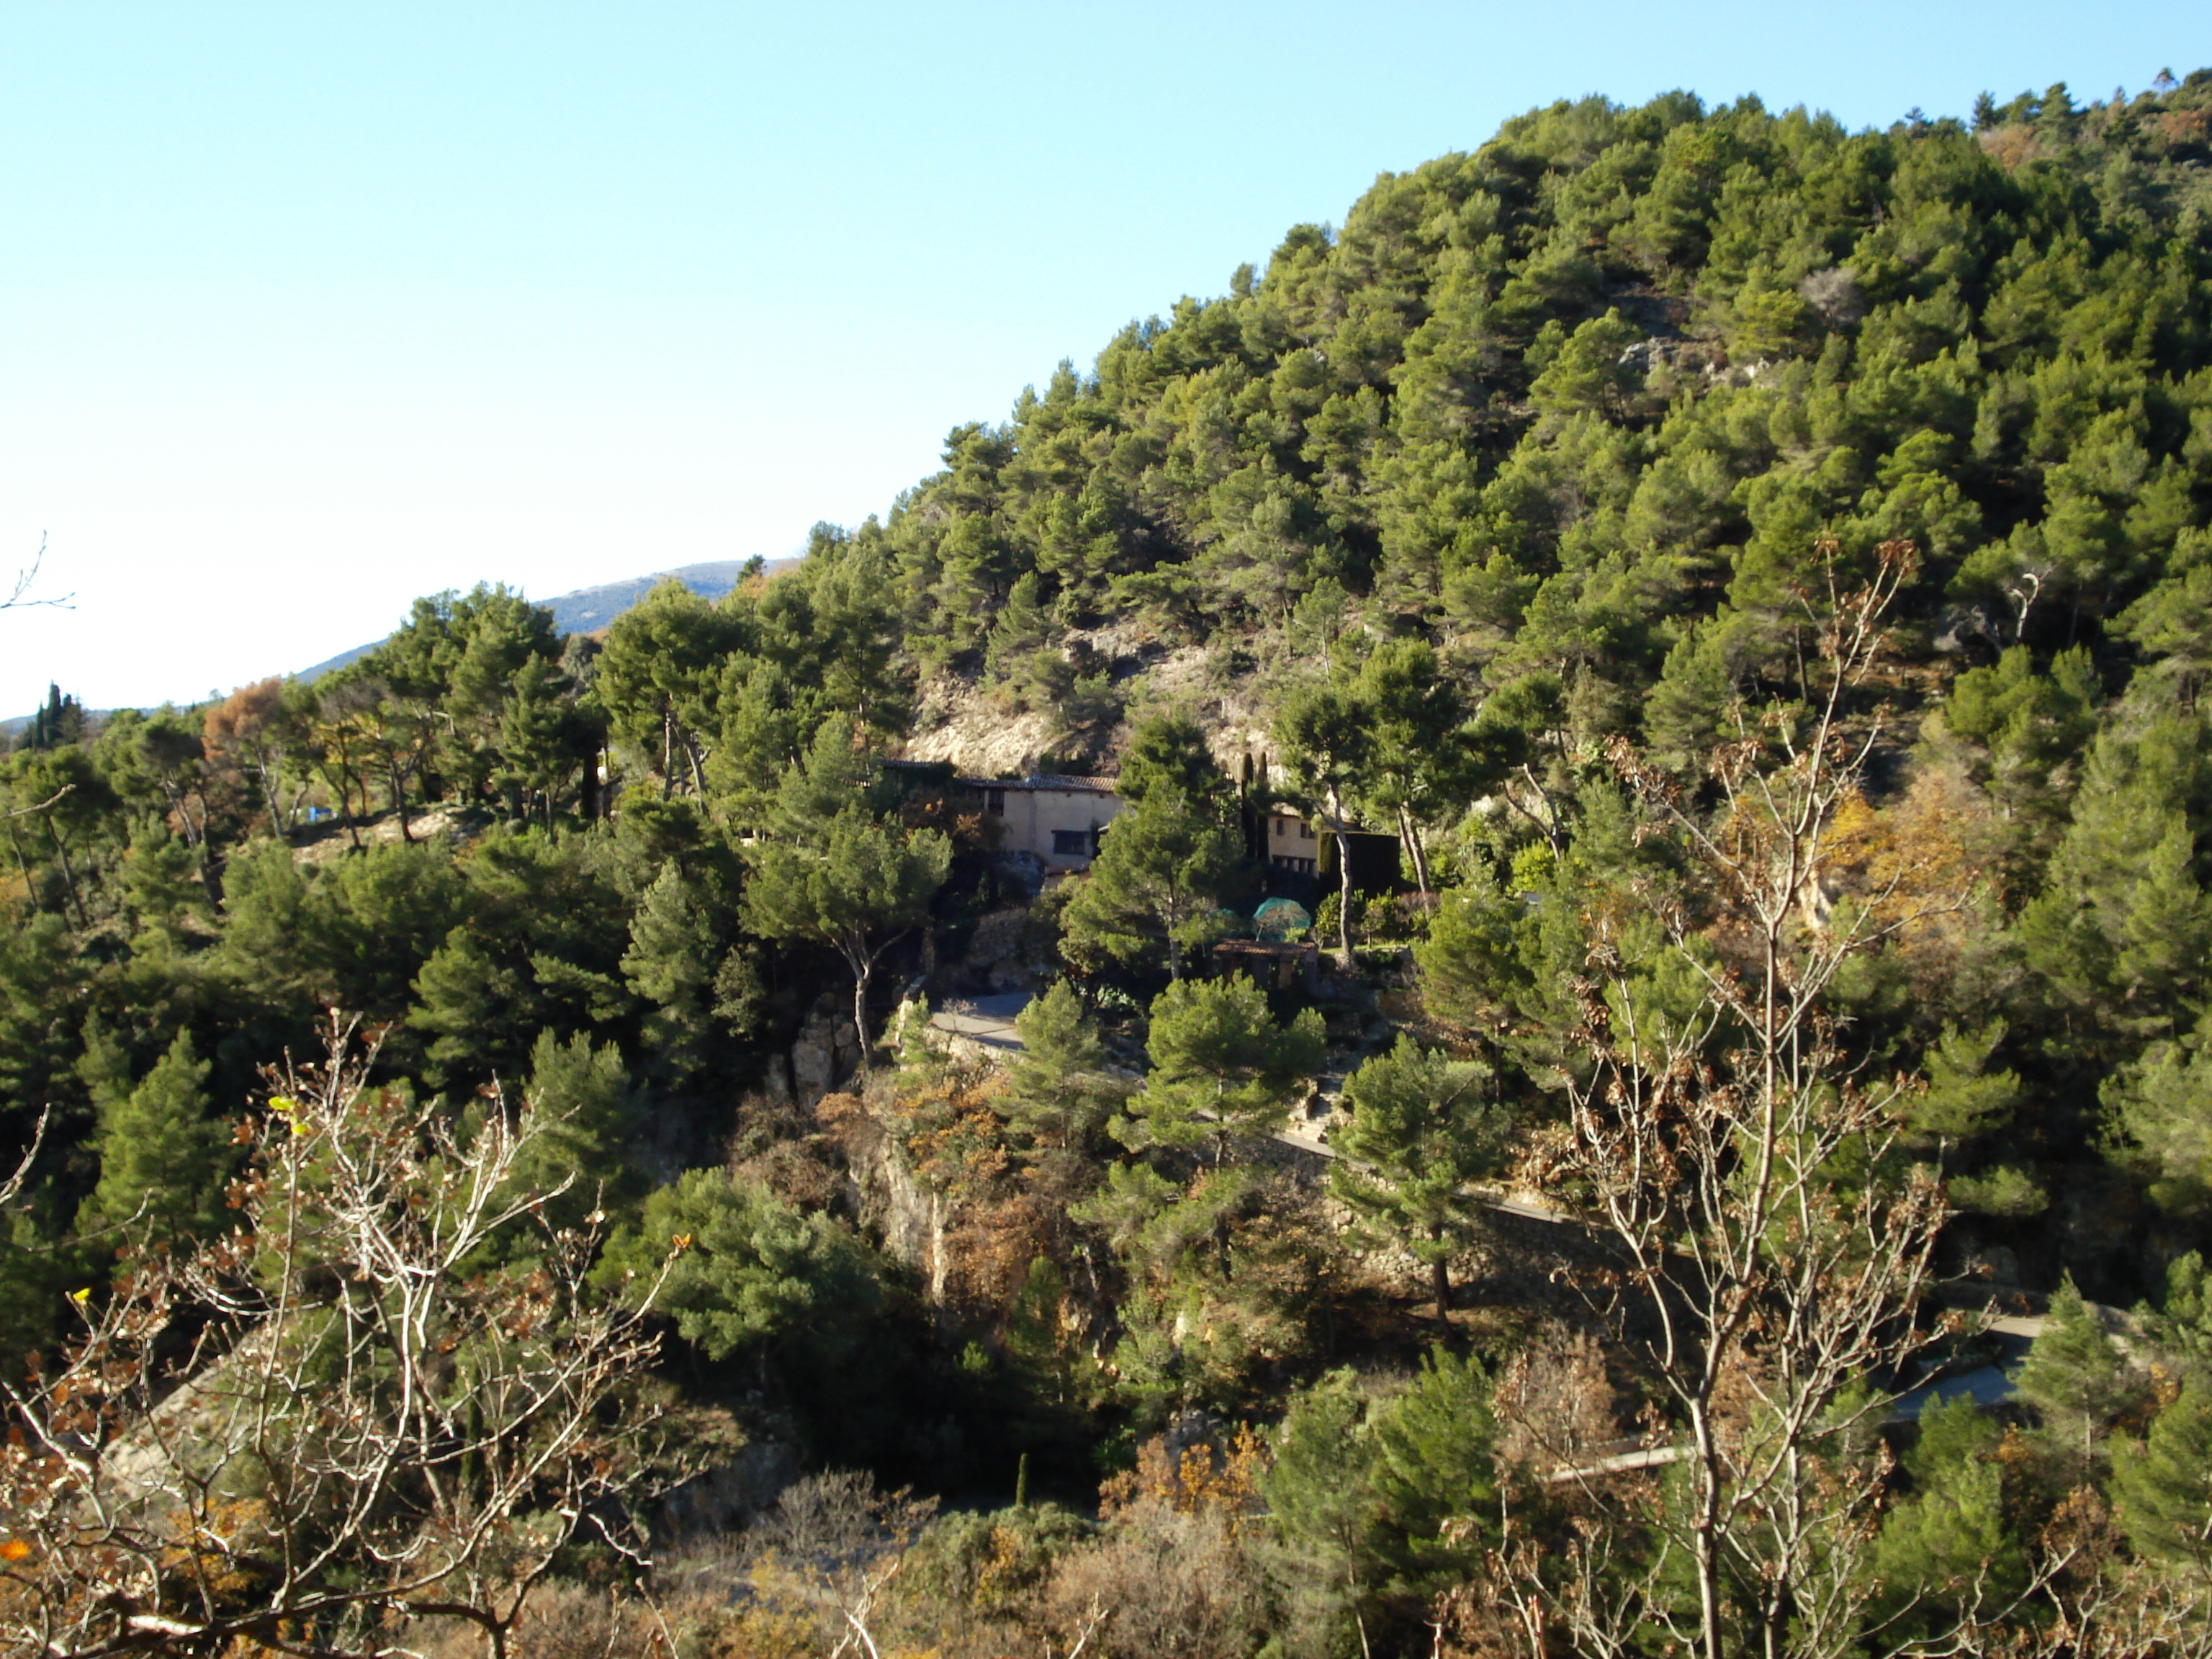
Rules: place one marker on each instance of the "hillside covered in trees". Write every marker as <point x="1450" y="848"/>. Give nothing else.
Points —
<point x="1760" y="573"/>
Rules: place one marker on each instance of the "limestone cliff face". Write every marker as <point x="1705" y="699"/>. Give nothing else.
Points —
<point x="958" y="722"/>
<point x="982" y="734"/>
<point x="906" y="1216"/>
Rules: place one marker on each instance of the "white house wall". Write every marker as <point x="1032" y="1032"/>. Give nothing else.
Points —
<point x="1035" y="819"/>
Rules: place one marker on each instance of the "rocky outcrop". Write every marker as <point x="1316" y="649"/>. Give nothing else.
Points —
<point x="826" y="1052"/>
<point x="907" y="1216"/>
<point x="727" y="1495"/>
<point x="1009" y="950"/>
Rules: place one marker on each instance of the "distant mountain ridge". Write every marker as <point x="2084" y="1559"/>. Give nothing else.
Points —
<point x="587" y="610"/>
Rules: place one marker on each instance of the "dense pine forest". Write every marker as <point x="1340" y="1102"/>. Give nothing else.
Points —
<point x="486" y="1180"/>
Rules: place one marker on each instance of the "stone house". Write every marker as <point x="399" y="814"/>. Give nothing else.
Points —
<point x="1055" y="819"/>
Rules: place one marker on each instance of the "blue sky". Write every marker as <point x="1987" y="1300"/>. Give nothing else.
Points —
<point x="312" y="309"/>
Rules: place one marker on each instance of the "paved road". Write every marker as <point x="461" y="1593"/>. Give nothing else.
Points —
<point x="988" y="1022"/>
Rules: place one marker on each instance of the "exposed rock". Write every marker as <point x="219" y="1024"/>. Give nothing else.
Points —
<point x="827" y="1052"/>
<point x="906" y="1216"/>
<point x="1006" y="951"/>
<point x="775" y="1081"/>
<point x="959" y="722"/>
<point x="730" y="1494"/>
<point x="1965" y="627"/>
<point x="1994" y="1265"/>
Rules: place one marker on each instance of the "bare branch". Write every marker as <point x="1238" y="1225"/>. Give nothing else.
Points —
<point x="12" y="1187"/>
<point x="26" y="811"/>
<point x="18" y="596"/>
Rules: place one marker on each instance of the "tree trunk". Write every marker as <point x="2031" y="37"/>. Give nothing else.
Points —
<point x="1549" y="823"/>
<point x="1343" y="877"/>
<point x="398" y="782"/>
<point x="1440" y="1280"/>
<point x="69" y="875"/>
<point x="1411" y="832"/>
<point x="280" y="821"/>
<point x="863" y="970"/>
<point x="211" y="878"/>
<point x="1706" y="1534"/>
<point x="183" y="809"/>
<point x="30" y="887"/>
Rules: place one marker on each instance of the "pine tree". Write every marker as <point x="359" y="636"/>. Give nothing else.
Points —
<point x="1434" y="1476"/>
<point x="1963" y="1098"/>
<point x="2165" y="930"/>
<point x="161" y="887"/>
<point x="538" y="739"/>
<point x="671" y="964"/>
<point x="477" y="1011"/>
<point x="1154" y="887"/>
<point x="1416" y="710"/>
<point x="586" y="1115"/>
<point x="1326" y="737"/>
<point x="1221" y="1065"/>
<point x="1168" y="755"/>
<point x="1948" y="1548"/>
<point x="1423" y="1126"/>
<point x="2182" y="1322"/>
<point x="1321" y="1503"/>
<point x="2074" y="1377"/>
<point x="753" y="1272"/>
<point x="265" y="938"/>
<point x="2157" y="1103"/>
<point x="1059" y="1091"/>
<point x="2164" y="1486"/>
<point x="858" y="888"/>
<point x="162" y="1159"/>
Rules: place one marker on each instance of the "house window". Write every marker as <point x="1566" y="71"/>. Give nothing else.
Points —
<point x="1305" y="830"/>
<point x="994" y="802"/>
<point x="1071" y="843"/>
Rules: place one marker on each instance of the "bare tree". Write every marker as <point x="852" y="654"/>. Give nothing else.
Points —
<point x="339" y="1419"/>
<point x="2104" y="1604"/>
<point x="1774" y="1241"/>
<point x="832" y="1550"/>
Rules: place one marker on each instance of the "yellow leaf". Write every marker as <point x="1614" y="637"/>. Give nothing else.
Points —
<point x="13" y="1550"/>
<point x="82" y="1297"/>
<point x="279" y="1104"/>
